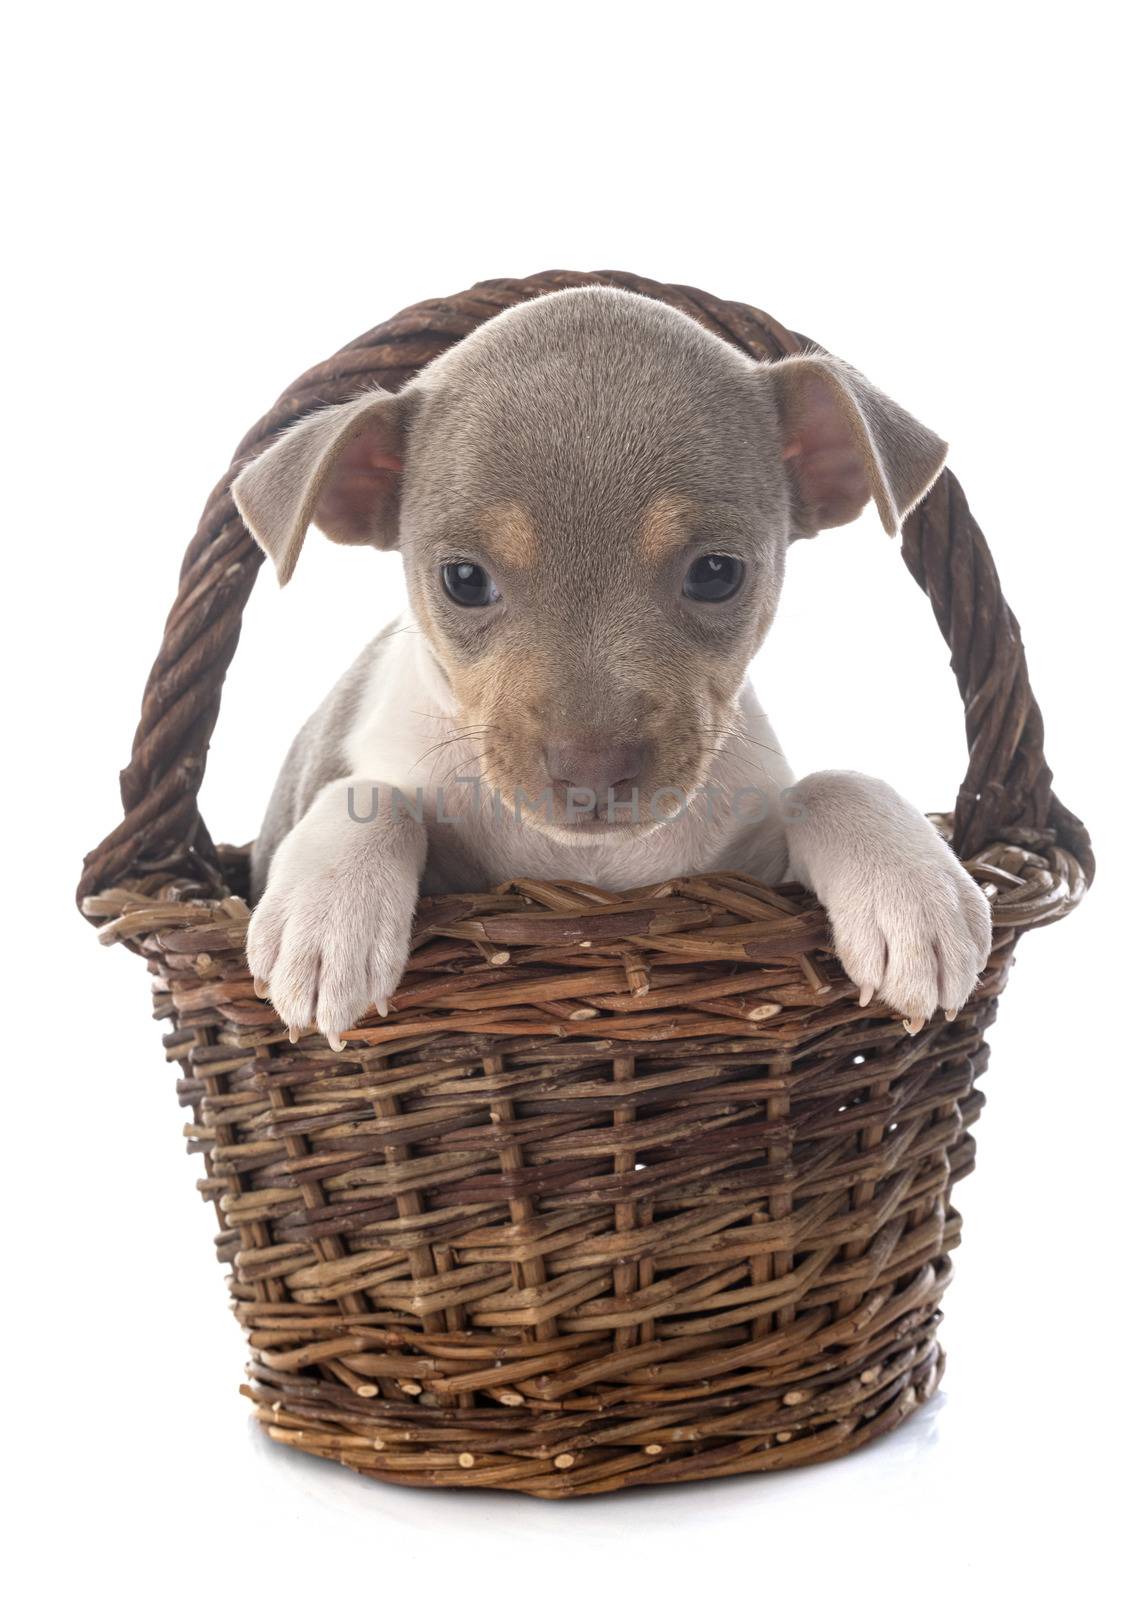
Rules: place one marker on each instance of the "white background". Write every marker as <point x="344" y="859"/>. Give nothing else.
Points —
<point x="209" y="198"/>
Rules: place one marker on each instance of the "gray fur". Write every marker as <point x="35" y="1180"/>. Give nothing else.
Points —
<point x="581" y="408"/>
<point x="585" y="449"/>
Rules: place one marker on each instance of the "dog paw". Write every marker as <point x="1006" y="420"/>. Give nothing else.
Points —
<point x="330" y="936"/>
<point x="916" y="934"/>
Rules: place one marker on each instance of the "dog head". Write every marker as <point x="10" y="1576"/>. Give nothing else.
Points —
<point x="593" y="496"/>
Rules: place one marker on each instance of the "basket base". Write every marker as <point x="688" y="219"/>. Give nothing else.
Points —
<point x="558" y="1454"/>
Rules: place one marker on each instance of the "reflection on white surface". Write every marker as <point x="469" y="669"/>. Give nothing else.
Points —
<point x="334" y="1489"/>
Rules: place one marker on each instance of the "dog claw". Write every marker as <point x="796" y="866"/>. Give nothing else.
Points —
<point x="865" y="995"/>
<point x="335" y="1042"/>
<point x="293" y="1035"/>
<point x="913" y="1024"/>
<point x="262" y="990"/>
<point x="951" y="1016"/>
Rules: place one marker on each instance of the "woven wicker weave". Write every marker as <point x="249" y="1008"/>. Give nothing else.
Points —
<point x="626" y="1189"/>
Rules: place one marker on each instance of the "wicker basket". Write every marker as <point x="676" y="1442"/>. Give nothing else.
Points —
<point x="626" y="1189"/>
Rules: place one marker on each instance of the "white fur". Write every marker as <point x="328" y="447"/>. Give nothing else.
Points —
<point x="330" y="935"/>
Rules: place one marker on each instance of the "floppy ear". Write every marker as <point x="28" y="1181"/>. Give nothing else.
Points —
<point x="845" y="443"/>
<point x="340" y="469"/>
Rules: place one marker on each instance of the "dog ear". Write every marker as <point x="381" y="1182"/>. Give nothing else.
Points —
<point x="339" y="469"/>
<point x="845" y="443"/>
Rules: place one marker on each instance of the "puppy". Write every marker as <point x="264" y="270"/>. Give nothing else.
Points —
<point x="593" y="497"/>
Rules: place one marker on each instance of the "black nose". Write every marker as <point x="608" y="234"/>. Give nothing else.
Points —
<point x="579" y="771"/>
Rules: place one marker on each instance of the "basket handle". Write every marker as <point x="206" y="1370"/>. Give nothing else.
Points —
<point x="1007" y="790"/>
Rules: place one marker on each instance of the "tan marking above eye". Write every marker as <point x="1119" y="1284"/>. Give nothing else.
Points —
<point x="508" y="531"/>
<point x="665" y="526"/>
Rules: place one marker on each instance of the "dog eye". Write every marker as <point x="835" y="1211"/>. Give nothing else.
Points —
<point x="714" y="578"/>
<point x="469" y="585"/>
